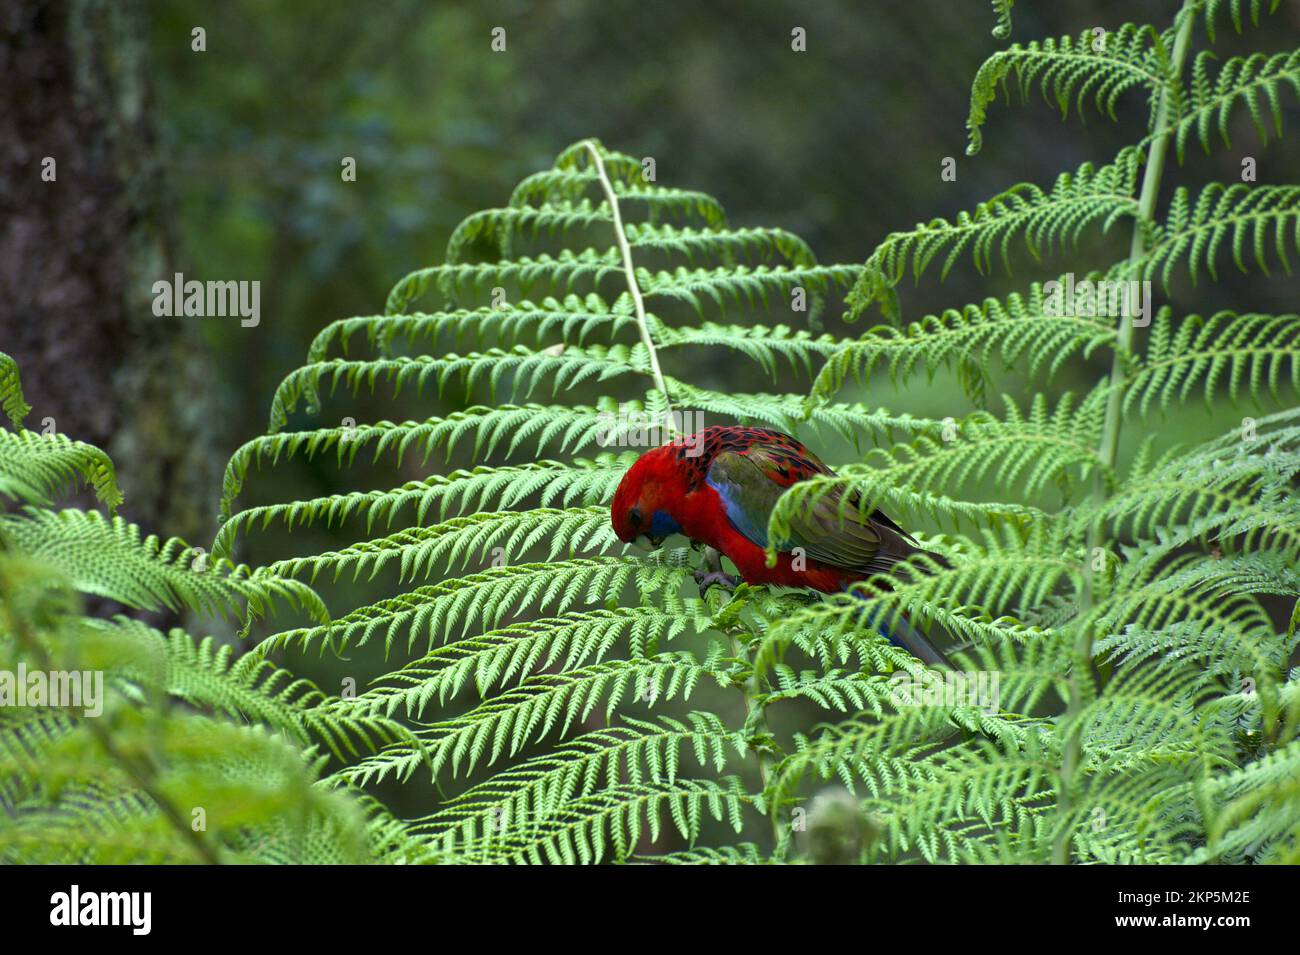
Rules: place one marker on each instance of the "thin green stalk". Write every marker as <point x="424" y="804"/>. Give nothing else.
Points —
<point x="753" y="710"/>
<point x="755" y="715"/>
<point x="1081" y="682"/>
<point x="630" y="272"/>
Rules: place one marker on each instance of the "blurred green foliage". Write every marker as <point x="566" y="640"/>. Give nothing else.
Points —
<point x="840" y="144"/>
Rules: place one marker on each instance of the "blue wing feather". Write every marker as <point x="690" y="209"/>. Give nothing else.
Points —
<point x="740" y="519"/>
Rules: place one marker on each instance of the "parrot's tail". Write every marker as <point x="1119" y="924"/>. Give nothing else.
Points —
<point x="902" y="634"/>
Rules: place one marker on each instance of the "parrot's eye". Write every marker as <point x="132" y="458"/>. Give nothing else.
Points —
<point x="634" y="517"/>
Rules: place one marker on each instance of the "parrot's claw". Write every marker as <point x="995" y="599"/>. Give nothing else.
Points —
<point x="708" y="578"/>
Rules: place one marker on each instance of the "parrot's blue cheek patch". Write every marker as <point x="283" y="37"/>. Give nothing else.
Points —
<point x="662" y="524"/>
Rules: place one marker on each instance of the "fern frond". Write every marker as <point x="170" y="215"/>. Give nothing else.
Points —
<point x="37" y="468"/>
<point x="1185" y="609"/>
<point x="1260" y="808"/>
<point x="608" y="824"/>
<point x="525" y="369"/>
<point x="573" y="176"/>
<point x="1028" y="452"/>
<point x="763" y="344"/>
<point x="750" y="286"/>
<point x="574" y="318"/>
<point x="1091" y="196"/>
<point x="505" y="428"/>
<point x="852" y="422"/>
<point x="432" y="612"/>
<point x="418" y="549"/>
<point x="510" y="654"/>
<point x="744" y="853"/>
<point x="581" y="482"/>
<point x="1239" y="354"/>
<point x="1101" y="67"/>
<point x="1247" y="221"/>
<point x="634" y="750"/>
<point x="1022" y="327"/>
<point x="1237" y="10"/>
<point x="693" y="243"/>
<point x="543" y="704"/>
<point x="1255" y="82"/>
<point x="834" y="689"/>
<point x="11" y="392"/>
<point x="1002" y="10"/>
<point x="555" y="273"/>
<point x="900" y="760"/>
<point x="1214" y="491"/>
<point x="110" y="558"/>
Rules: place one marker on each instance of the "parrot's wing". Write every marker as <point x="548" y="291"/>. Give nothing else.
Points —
<point x="750" y="483"/>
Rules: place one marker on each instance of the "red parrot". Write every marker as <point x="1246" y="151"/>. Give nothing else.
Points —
<point x="718" y="488"/>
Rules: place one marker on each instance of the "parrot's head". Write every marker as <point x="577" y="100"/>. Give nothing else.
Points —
<point x="648" y="498"/>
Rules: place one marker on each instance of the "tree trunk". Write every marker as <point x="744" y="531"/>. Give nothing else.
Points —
<point x="79" y="254"/>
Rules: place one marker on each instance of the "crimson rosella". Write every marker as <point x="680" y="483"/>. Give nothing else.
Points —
<point x="718" y="488"/>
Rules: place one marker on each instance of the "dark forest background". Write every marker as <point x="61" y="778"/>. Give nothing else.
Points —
<point x="225" y="164"/>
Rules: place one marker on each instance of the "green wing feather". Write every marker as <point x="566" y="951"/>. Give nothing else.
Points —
<point x="751" y="481"/>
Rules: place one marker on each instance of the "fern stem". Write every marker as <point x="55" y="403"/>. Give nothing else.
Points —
<point x="630" y="271"/>
<point x="755" y="714"/>
<point x="756" y="718"/>
<point x="1108" y="450"/>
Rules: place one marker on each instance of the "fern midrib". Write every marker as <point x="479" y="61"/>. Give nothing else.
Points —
<point x="1081" y="669"/>
<point x="1248" y="351"/>
<point x="991" y="209"/>
<point x="1231" y="504"/>
<point x="1088" y="59"/>
<point x="753" y="707"/>
<point x="1218" y="223"/>
<point x="1197" y="112"/>
<point x="629" y="270"/>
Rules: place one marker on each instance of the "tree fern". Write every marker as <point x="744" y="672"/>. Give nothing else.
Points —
<point x="1176" y="558"/>
<point x="117" y="771"/>
<point x="549" y="696"/>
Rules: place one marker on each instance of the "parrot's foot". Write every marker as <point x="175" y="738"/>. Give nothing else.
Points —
<point x="708" y="578"/>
